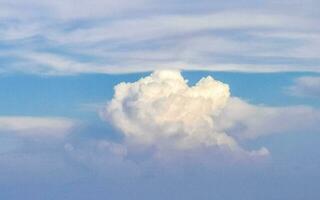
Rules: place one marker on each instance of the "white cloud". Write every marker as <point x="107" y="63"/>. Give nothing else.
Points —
<point x="56" y="64"/>
<point x="66" y="10"/>
<point x="52" y="64"/>
<point x="163" y="26"/>
<point x="245" y="121"/>
<point x="162" y="110"/>
<point x="307" y="86"/>
<point x="145" y="35"/>
<point x="36" y="126"/>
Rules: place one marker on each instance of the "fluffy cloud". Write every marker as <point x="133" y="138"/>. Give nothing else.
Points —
<point x="36" y="126"/>
<point x="307" y="86"/>
<point x="162" y="110"/>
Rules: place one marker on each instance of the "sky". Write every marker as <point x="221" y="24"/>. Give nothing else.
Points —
<point x="149" y="99"/>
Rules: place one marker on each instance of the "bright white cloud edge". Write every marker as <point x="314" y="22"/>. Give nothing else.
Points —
<point x="162" y="110"/>
<point x="203" y="115"/>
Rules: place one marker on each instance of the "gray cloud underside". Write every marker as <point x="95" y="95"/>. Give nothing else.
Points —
<point x="35" y="165"/>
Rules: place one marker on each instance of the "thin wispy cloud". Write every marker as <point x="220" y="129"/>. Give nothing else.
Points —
<point x="28" y="126"/>
<point x="306" y="86"/>
<point x="126" y="37"/>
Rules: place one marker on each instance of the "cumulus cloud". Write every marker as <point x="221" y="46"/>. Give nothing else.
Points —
<point x="162" y="110"/>
<point x="36" y="126"/>
<point x="306" y="86"/>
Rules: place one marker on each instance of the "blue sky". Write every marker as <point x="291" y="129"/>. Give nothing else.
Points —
<point x="102" y="99"/>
